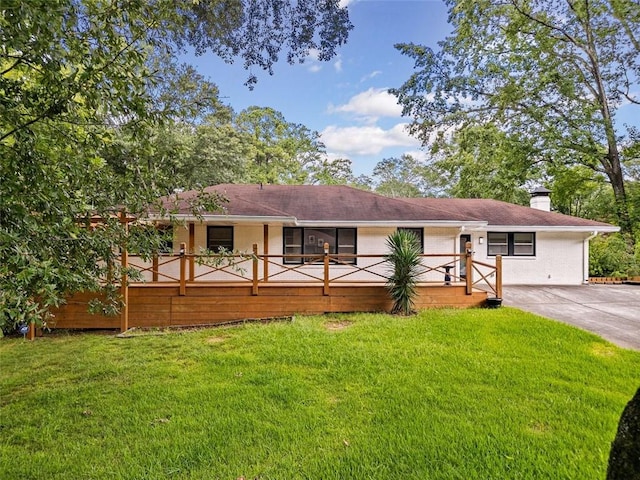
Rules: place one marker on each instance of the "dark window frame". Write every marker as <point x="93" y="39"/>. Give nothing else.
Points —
<point x="304" y="234"/>
<point x="511" y="244"/>
<point x="215" y="248"/>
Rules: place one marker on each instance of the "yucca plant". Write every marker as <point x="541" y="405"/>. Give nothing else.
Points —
<point x="404" y="258"/>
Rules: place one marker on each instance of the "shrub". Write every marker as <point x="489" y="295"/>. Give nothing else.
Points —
<point x="405" y="264"/>
<point x="612" y="256"/>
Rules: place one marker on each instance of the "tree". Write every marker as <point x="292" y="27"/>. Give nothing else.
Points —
<point x="331" y="172"/>
<point x="281" y="151"/>
<point x="481" y="161"/>
<point x="78" y="113"/>
<point x="258" y="30"/>
<point x="579" y="191"/>
<point x="549" y="72"/>
<point x="624" y="461"/>
<point x="401" y="177"/>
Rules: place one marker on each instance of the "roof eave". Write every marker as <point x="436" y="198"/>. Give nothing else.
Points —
<point x="237" y="219"/>
<point x="553" y="228"/>
<point x="391" y="223"/>
<point x="251" y="219"/>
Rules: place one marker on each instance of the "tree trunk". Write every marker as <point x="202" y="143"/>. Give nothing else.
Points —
<point x="611" y="161"/>
<point x="613" y="170"/>
<point x="624" y="458"/>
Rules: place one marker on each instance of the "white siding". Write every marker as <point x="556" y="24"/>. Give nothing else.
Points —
<point x="559" y="260"/>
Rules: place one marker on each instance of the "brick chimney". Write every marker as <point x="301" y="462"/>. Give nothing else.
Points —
<point x="540" y="199"/>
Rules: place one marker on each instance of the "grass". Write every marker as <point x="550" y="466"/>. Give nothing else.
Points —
<point x="486" y="394"/>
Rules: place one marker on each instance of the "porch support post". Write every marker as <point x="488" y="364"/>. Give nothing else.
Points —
<point x="124" y="281"/>
<point x="499" y="276"/>
<point x="254" y="287"/>
<point x="469" y="267"/>
<point x="154" y="268"/>
<point x="325" y="290"/>
<point x="183" y="269"/>
<point x="265" y="250"/>
<point x="192" y="247"/>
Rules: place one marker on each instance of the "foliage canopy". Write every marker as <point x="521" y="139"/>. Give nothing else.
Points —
<point x="551" y="73"/>
<point x="86" y="88"/>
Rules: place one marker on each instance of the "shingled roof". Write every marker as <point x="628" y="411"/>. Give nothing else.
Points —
<point x="339" y="204"/>
<point x="497" y="213"/>
<point x="319" y="203"/>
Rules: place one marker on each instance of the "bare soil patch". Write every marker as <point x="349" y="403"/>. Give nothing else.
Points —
<point x="337" y="325"/>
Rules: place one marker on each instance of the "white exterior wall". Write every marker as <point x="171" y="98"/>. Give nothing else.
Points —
<point x="561" y="257"/>
<point x="559" y="260"/>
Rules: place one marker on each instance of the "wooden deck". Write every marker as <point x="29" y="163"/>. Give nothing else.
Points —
<point x="180" y="290"/>
<point x="157" y="305"/>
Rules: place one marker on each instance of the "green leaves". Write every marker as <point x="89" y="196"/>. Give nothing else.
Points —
<point x="550" y="73"/>
<point x="280" y="151"/>
<point x="93" y="120"/>
<point x="404" y="257"/>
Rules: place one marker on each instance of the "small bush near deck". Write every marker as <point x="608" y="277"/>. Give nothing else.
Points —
<point x="473" y="394"/>
<point x="404" y="257"/>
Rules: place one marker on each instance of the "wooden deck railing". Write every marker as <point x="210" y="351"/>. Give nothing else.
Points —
<point x="325" y="269"/>
<point x="322" y="269"/>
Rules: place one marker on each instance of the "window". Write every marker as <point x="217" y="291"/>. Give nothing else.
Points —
<point x="293" y="244"/>
<point x="419" y="233"/>
<point x="523" y="244"/>
<point x="220" y="238"/>
<point x="310" y="241"/>
<point x="498" y="243"/>
<point x="511" y="244"/>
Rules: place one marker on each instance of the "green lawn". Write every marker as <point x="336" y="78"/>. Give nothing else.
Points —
<point x="447" y="394"/>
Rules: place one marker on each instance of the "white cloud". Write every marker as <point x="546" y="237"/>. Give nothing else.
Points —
<point x="370" y="105"/>
<point x="420" y="155"/>
<point x="314" y="54"/>
<point x="315" y="68"/>
<point x="371" y="75"/>
<point x="367" y="140"/>
<point x="338" y="65"/>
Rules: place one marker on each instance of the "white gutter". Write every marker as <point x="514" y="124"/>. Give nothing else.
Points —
<point x="551" y="228"/>
<point x="390" y="223"/>
<point x="241" y="219"/>
<point x="224" y="219"/>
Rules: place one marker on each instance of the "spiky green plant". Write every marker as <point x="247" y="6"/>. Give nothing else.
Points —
<point x="404" y="258"/>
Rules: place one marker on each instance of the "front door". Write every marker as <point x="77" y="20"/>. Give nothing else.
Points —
<point x="463" y="262"/>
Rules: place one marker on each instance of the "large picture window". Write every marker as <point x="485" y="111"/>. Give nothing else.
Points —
<point x="310" y="241"/>
<point x="516" y="244"/>
<point x="220" y="238"/>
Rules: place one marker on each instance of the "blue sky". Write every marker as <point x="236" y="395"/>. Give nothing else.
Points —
<point x="345" y="99"/>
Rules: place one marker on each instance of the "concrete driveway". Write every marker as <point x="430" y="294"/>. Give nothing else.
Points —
<point x="611" y="311"/>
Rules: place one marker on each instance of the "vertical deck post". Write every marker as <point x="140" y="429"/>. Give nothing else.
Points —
<point x="31" y="334"/>
<point x="499" y="276"/>
<point x="154" y="268"/>
<point x="183" y="269"/>
<point x="325" y="290"/>
<point x="254" y="288"/>
<point x="192" y="247"/>
<point x="469" y="267"/>
<point x="265" y="250"/>
<point x="124" y="280"/>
